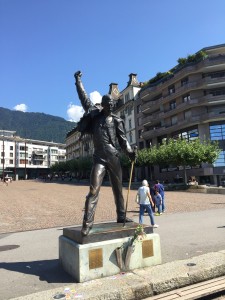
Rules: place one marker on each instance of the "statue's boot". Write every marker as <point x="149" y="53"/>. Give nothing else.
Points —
<point x="121" y="220"/>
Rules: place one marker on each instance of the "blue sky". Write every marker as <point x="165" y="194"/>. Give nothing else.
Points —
<point x="43" y="42"/>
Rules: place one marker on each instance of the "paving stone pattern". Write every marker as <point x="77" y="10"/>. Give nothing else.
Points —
<point x="36" y="204"/>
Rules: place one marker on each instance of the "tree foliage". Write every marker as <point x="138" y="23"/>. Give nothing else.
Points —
<point x="180" y="152"/>
<point x="75" y="165"/>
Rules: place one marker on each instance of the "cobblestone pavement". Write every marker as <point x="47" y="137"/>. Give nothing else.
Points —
<point x="35" y="204"/>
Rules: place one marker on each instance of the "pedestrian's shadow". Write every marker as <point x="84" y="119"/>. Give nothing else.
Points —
<point x="47" y="270"/>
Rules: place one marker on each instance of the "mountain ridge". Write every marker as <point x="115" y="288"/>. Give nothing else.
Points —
<point x="34" y="125"/>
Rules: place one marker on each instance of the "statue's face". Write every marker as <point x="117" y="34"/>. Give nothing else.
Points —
<point x="107" y="105"/>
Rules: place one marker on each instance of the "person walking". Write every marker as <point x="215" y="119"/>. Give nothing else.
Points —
<point x="107" y="131"/>
<point x="145" y="201"/>
<point x="158" y="203"/>
<point x="159" y="186"/>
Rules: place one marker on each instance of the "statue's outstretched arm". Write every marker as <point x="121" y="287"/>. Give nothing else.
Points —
<point x="84" y="99"/>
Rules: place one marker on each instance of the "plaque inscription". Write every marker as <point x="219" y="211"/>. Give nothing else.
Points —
<point x="95" y="258"/>
<point x="147" y="249"/>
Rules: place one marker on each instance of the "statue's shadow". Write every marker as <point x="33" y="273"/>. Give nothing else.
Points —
<point x="47" y="270"/>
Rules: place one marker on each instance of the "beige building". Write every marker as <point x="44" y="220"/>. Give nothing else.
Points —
<point x="76" y="146"/>
<point x="188" y="102"/>
<point x="124" y="105"/>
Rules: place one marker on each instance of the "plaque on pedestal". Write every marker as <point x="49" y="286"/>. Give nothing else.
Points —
<point x="95" y="256"/>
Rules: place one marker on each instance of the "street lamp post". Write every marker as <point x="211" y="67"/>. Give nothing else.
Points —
<point x="3" y="162"/>
<point x="25" y="169"/>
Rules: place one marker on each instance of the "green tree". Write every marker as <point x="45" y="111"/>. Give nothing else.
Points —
<point x="147" y="156"/>
<point x="180" y="153"/>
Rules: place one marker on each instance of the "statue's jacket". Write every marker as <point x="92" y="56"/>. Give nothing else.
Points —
<point x="107" y="132"/>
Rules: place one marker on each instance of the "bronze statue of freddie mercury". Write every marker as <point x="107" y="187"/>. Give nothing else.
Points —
<point x="107" y="130"/>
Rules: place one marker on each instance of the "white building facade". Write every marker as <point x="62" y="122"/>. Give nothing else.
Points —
<point x="27" y="158"/>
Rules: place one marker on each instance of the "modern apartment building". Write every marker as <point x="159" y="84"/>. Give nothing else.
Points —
<point x="188" y="102"/>
<point x="27" y="158"/>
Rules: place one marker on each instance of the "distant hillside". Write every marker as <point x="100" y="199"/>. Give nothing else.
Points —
<point x="37" y="126"/>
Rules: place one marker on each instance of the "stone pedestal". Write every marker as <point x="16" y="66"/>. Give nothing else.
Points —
<point x="94" y="256"/>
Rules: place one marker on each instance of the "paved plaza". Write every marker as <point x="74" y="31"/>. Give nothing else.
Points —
<point x="33" y="213"/>
<point x="35" y="204"/>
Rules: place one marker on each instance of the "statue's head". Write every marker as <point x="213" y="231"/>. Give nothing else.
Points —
<point x="107" y="103"/>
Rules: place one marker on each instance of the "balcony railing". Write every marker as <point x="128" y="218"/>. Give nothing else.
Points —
<point x="207" y="117"/>
<point x="210" y="62"/>
<point x="148" y="106"/>
<point x="153" y="118"/>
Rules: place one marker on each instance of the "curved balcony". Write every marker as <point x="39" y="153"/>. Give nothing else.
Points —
<point x="194" y="120"/>
<point x="204" y="100"/>
<point x="209" y="64"/>
<point x="171" y="128"/>
<point x="200" y="84"/>
<point x="153" y="118"/>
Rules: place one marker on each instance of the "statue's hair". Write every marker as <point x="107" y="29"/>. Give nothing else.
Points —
<point x="106" y="98"/>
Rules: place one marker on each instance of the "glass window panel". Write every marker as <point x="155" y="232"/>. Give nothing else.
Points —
<point x="221" y="160"/>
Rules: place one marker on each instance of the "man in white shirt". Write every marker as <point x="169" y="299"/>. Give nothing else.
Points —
<point x="145" y="201"/>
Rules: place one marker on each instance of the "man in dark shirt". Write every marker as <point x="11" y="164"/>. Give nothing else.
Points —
<point x="107" y="130"/>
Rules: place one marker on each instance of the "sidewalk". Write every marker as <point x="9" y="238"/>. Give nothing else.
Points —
<point x="142" y="283"/>
<point x="192" y="244"/>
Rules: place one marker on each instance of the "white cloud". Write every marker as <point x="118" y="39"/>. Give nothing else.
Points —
<point x="21" y="107"/>
<point x="96" y="97"/>
<point x="74" y="112"/>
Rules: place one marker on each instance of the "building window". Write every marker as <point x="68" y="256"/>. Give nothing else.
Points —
<point x="2" y="154"/>
<point x="218" y="74"/>
<point x="129" y="121"/>
<point x="187" y="114"/>
<point x="171" y="89"/>
<point x="220" y="162"/>
<point x="217" y="92"/>
<point x="192" y="134"/>
<point x="23" y="161"/>
<point x="11" y="147"/>
<point x="217" y="132"/>
<point x="141" y="145"/>
<point x="129" y="110"/>
<point x="23" y="148"/>
<point x="11" y="161"/>
<point x="131" y="137"/>
<point x="122" y="116"/>
<point x="174" y="120"/>
<point x="173" y="105"/>
<point x="127" y="97"/>
<point x="140" y="133"/>
<point x="186" y="98"/>
<point x="188" y="135"/>
<point x="214" y="74"/>
<point x="11" y="154"/>
<point x="139" y="121"/>
<point x="139" y="108"/>
<point x="2" y="161"/>
<point x="184" y="81"/>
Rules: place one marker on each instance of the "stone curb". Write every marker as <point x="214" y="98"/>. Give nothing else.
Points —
<point x="142" y="283"/>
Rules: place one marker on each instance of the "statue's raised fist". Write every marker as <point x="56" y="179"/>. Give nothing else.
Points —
<point x="78" y="74"/>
